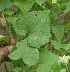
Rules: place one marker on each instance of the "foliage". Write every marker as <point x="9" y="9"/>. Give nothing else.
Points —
<point x="38" y="25"/>
<point x="4" y="4"/>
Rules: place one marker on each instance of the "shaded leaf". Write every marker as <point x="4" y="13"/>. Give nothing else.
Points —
<point x="58" y="30"/>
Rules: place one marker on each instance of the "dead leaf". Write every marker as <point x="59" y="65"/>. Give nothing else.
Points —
<point x="4" y="52"/>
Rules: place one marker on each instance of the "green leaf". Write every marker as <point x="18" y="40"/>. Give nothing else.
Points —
<point x="67" y="7"/>
<point x="8" y="12"/>
<point x="32" y="70"/>
<point x="67" y="27"/>
<point x="40" y="2"/>
<point x="26" y="68"/>
<point x="17" y="63"/>
<point x="55" y="67"/>
<point x="24" y="5"/>
<point x="36" y="25"/>
<point x="58" y="30"/>
<point x="37" y="7"/>
<point x="16" y="69"/>
<point x="62" y="70"/>
<point x="12" y="20"/>
<point x="66" y="46"/>
<point x="47" y="60"/>
<point x="57" y="45"/>
<point x="30" y="55"/>
<point x="41" y="33"/>
<point x="4" y="4"/>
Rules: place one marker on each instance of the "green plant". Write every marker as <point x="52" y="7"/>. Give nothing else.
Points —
<point x="40" y="33"/>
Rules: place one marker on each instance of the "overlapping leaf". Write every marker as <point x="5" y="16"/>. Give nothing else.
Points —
<point x="58" y="30"/>
<point x="36" y="25"/>
<point x="30" y="55"/>
<point x="47" y="60"/>
<point x="24" y="5"/>
<point x="57" y="45"/>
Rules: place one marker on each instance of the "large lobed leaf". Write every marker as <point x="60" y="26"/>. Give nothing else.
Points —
<point x="30" y="55"/>
<point x="36" y="25"/>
